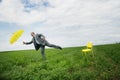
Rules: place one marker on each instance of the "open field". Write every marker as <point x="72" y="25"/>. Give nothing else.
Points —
<point x="66" y="64"/>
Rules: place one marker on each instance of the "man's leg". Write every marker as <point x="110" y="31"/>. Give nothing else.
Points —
<point x="52" y="45"/>
<point x="43" y="52"/>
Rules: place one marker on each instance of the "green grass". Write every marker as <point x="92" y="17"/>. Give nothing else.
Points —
<point x="66" y="64"/>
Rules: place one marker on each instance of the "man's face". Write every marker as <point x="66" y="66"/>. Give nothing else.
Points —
<point x="32" y="34"/>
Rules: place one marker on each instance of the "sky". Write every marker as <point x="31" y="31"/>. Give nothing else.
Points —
<point x="66" y="23"/>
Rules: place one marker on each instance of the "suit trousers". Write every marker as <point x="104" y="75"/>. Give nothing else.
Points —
<point x="42" y="48"/>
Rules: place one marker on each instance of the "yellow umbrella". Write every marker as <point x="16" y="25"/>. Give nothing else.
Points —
<point x="16" y="36"/>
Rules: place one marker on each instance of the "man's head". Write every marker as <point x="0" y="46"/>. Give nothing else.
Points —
<point x="32" y="34"/>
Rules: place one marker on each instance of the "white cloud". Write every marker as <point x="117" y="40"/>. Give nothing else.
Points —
<point x="13" y="12"/>
<point x="66" y="12"/>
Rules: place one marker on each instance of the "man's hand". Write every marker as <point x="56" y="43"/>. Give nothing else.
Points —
<point x="24" y="42"/>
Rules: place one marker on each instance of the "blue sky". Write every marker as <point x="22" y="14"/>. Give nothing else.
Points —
<point x="63" y="22"/>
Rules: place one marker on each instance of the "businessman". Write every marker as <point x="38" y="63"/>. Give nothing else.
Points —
<point x="39" y="41"/>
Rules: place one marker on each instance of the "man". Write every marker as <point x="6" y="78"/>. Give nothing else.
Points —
<point x="39" y="41"/>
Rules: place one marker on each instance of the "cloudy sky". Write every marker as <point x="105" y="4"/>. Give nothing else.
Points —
<point x="63" y="22"/>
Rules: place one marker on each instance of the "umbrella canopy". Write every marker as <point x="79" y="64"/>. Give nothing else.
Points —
<point x="16" y="35"/>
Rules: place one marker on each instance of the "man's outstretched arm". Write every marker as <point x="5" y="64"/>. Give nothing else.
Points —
<point x="28" y="42"/>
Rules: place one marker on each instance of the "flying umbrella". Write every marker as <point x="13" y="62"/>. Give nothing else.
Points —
<point x="16" y="35"/>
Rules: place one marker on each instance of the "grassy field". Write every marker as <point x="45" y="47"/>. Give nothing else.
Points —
<point x="66" y="64"/>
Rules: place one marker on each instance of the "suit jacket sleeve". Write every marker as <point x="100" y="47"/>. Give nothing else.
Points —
<point x="29" y="42"/>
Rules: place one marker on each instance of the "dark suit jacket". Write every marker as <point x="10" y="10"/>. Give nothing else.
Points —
<point x="37" y="41"/>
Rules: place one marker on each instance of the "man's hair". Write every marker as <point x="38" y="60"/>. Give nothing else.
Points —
<point x="32" y="33"/>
